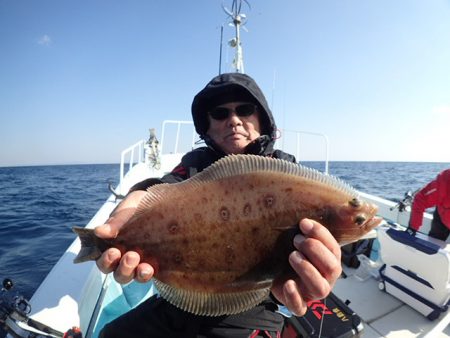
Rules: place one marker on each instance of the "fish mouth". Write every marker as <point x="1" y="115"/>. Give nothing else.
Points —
<point x="373" y="222"/>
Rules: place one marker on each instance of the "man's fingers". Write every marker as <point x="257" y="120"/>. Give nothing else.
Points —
<point x="320" y="247"/>
<point x="120" y="215"/>
<point x="311" y="283"/>
<point x="105" y="231"/>
<point x="293" y="299"/>
<point x="112" y="226"/>
<point x="316" y="263"/>
<point x="109" y="260"/>
<point x="126" y="268"/>
<point x="144" y="272"/>
<point x="125" y="272"/>
<point x="320" y="257"/>
<point x="313" y="229"/>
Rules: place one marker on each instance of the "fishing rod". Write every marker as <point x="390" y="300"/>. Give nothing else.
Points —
<point x="405" y="202"/>
<point x="15" y="309"/>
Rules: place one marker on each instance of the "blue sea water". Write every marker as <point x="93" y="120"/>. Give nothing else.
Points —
<point x="38" y="207"/>
<point x="40" y="204"/>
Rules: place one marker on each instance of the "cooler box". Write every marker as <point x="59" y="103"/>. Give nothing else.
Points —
<point x="329" y="318"/>
<point x="416" y="270"/>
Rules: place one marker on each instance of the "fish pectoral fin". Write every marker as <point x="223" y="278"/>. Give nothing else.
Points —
<point x="211" y="304"/>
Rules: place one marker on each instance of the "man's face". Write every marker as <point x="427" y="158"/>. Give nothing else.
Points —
<point x="235" y="131"/>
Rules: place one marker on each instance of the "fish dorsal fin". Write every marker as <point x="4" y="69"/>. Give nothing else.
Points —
<point x="211" y="304"/>
<point x="233" y="165"/>
<point x="154" y="194"/>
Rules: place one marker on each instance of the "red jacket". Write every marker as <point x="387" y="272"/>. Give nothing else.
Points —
<point x="436" y="193"/>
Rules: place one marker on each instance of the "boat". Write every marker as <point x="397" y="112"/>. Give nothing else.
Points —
<point x="78" y="299"/>
<point x="79" y="295"/>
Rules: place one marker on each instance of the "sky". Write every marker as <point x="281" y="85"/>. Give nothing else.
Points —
<point x="82" y="80"/>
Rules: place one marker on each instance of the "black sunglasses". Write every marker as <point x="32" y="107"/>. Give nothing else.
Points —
<point x="243" y="110"/>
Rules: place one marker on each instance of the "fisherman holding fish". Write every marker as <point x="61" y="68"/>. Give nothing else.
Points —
<point x="195" y="267"/>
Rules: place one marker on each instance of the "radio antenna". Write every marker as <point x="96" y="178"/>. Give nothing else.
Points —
<point x="238" y="21"/>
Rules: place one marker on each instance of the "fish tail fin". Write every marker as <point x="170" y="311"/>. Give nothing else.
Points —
<point x="90" y="245"/>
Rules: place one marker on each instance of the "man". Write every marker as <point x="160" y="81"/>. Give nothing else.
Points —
<point x="232" y="116"/>
<point x="434" y="194"/>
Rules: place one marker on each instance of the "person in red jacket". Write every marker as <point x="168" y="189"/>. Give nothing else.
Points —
<point x="434" y="194"/>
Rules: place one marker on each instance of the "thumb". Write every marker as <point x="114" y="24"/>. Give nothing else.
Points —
<point x="112" y="226"/>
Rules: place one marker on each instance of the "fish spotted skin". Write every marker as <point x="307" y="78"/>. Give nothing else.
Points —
<point x="229" y="229"/>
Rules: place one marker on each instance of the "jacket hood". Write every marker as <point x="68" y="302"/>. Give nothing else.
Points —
<point x="230" y="87"/>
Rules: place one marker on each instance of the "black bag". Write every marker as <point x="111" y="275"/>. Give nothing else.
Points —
<point x="328" y="318"/>
<point x="350" y="251"/>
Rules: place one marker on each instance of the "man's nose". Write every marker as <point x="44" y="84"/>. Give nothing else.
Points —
<point x="234" y="120"/>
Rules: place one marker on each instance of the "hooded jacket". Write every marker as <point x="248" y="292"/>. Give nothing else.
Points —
<point x="234" y="87"/>
<point x="224" y="88"/>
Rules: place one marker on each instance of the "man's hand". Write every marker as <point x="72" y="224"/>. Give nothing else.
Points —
<point x="126" y="267"/>
<point x="317" y="264"/>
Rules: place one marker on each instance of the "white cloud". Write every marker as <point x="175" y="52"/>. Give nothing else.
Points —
<point x="44" y="40"/>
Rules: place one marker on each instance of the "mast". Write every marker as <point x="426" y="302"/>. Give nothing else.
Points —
<point x="238" y="20"/>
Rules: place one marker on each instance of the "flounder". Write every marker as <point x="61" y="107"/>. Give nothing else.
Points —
<point x="221" y="237"/>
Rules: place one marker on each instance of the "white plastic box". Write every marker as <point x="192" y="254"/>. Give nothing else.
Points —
<point x="416" y="270"/>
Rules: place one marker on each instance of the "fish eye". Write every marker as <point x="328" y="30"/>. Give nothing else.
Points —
<point x="355" y="202"/>
<point x="360" y="220"/>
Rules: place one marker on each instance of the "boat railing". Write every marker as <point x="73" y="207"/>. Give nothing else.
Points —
<point x="296" y="137"/>
<point x="130" y="156"/>
<point x="177" y="137"/>
<point x="166" y="148"/>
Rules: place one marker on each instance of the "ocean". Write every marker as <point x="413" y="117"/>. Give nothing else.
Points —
<point x="38" y="207"/>
<point x="40" y="204"/>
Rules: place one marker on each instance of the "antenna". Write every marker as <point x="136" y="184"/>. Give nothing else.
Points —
<point x="220" y="52"/>
<point x="238" y="20"/>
